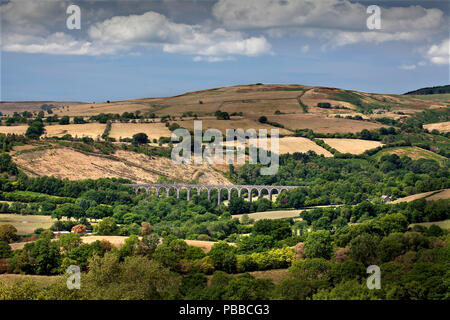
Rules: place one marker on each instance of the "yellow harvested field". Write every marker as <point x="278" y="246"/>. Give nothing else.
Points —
<point x="223" y="125"/>
<point x="286" y="145"/>
<point x="441" y="126"/>
<point x="322" y="124"/>
<point x="299" y="144"/>
<point x="440" y="195"/>
<point x="431" y="195"/>
<point x="91" y="130"/>
<point x="127" y="130"/>
<point x="116" y="241"/>
<point x="282" y="214"/>
<point x="13" y="129"/>
<point x="26" y="224"/>
<point x="353" y="146"/>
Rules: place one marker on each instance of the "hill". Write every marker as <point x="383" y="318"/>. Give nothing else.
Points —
<point x="430" y="90"/>
<point x="9" y="107"/>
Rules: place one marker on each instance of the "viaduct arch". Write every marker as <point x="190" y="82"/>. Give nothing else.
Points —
<point x="199" y="187"/>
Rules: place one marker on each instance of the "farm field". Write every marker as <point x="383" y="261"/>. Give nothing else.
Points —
<point x="127" y="130"/>
<point x="289" y="145"/>
<point x="431" y="195"/>
<point x="323" y="124"/>
<point x="353" y="146"/>
<point x="26" y="224"/>
<point x="41" y="281"/>
<point x="414" y="153"/>
<point x="282" y="214"/>
<point x="234" y="123"/>
<point x="441" y="126"/>
<point x="91" y="130"/>
<point x="443" y="224"/>
<point x="21" y="129"/>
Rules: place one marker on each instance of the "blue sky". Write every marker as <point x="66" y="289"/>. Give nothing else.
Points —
<point x="143" y="49"/>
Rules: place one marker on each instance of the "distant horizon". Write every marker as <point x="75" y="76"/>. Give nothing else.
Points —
<point x="209" y="88"/>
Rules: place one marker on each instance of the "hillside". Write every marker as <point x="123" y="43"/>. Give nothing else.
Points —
<point x="430" y="90"/>
<point x="9" y="107"/>
<point x="65" y="162"/>
<point x="254" y="100"/>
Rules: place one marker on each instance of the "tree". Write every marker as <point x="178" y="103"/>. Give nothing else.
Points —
<point x="40" y="257"/>
<point x="69" y="241"/>
<point x="146" y="228"/>
<point x="136" y="278"/>
<point x="296" y="198"/>
<point x="220" y="115"/>
<point x="140" y="138"/>
<point x="238" y="206"/>
<point x="5" y="250"/>
<point x="391" y="247"/>
<point x="8" y="233"/>
<point x="64" y="120"/>
<point x="223" y="257"/>
<point x="363" y="248"/>
<point x="311" y="269"/>
<point x="262" y="119"/>
<point x="35" y="129"/>
<point x="106" y="227"/>
<point x="318" y="245"/>
<point x="278" y="229"/>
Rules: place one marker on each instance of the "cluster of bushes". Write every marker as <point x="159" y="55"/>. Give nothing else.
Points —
<point x="221" y="115"/>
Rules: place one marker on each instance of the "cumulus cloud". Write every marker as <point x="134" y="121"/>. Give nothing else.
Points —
<point x="439" y="53"/>
<point x="154" y="28"/>
<point x="122" y="33"/>
<point x="341" y="22"/>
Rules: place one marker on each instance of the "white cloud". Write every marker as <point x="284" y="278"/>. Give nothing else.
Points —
<point x="439" y="53"/>
<point x="124" y="33"/>
<point x="305" y="48"/>
<point x="340" y="22"/>
<point x="154" y="28"/>
<point x="407" y="67"/>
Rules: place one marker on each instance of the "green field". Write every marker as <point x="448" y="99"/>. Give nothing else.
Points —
<point x="443" y="224"/>
<point x="26" y="224"/>
<point x="412" y="152"/>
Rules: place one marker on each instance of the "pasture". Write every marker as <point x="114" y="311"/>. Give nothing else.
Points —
<point x="281" y="214"/>
<point x="441" y="126"/>
<point x="323" y="124"/>
<point x="127" y="130"/>
<point x="26" y="224"/>
<point x="91" y="130"/>
<point x="353" y="146"/>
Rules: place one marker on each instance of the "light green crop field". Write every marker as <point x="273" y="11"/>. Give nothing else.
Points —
<point x="445" y="224"/>
<point x="26" y="224"/>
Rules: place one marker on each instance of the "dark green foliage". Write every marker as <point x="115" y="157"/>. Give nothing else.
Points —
<point x="35" y="129"/>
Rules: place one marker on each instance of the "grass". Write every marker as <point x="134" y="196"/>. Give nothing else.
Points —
<point x="281" y="214"/>
<point x="412" y="152"/>
<point x="41" y="281"/>
<point x="26" y="224"/>
<point x="445" y="224"/>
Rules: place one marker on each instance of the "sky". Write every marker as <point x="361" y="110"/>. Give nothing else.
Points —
<point x="127" y="49"/>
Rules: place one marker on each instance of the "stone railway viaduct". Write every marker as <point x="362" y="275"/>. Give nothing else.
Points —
<point x="209" y="188"/>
